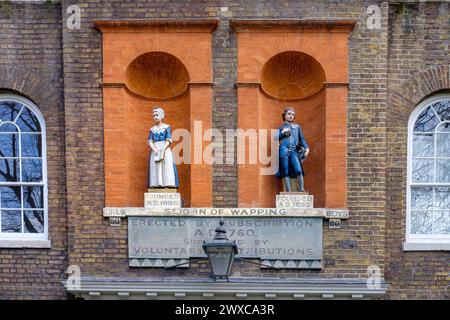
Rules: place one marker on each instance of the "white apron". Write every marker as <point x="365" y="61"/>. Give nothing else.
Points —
<point x="162" y="173"/>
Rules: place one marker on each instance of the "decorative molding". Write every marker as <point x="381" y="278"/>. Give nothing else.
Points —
<point x="158" y="263"/>
<point x="326" y="213"/>
<point x="235" y="288"/>
<point x="44" y="244"/>
<point x="336" y="84"/>
<point x="411" y="246"/>
<point x="282" y="25"/>
<point x="121" y="85"/>
<point x="168" y="25"/>
<point x="292" y="264"/>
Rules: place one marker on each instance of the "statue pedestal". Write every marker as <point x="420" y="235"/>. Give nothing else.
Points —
<point x="162" y="200"/>
<point x="294" y="200"/>
<point x="162" y="190"/>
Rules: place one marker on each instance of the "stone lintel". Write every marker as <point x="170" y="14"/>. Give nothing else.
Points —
<point x="227" y="212"/>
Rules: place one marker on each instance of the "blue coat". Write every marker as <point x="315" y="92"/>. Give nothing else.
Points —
<point x="290" y="151"/>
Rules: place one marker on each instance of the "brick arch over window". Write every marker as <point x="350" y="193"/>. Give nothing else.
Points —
<point x="418" y="87"/>
<point x="402" y="102"/>
<point x="26" y="82"/>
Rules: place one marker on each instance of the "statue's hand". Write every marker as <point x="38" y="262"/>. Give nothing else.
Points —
<point x="306" y="152"/>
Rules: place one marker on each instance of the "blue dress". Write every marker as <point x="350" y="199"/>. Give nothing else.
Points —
<point x="162" y="173"/>
<point x="290" y="151"/>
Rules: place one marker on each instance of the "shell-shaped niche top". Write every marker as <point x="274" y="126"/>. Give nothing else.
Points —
<point x="157" y="75"/>
<point x="292" y="75"/>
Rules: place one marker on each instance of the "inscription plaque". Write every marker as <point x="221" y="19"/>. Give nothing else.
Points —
<point x="162" y="200"/>
<point x="294" y="238"/>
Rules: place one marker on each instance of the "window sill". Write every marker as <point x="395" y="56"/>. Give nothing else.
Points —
<point x="414" y="246"/>
<point x="45" y="244"/>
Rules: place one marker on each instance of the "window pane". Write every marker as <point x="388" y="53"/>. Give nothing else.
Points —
<point x="9" y="170"/>
<point x="426" y="121"/>
<point x="10" y="197"/>
<point x="9" y="145"/>
<point x="421" y="198"/>
<point x="442" y="198"/>
<point x="9" y="110"/>
<point x="444" y="127"/>
<point x="31" y="145"/>
<point x="442" y="222"/>
<point x="8" y="127"/>
<point x="11" y="221"/>
<point x="443" y="170"/>
<point x="421" y="222"/>
<point x="443" y="144"/>
<point x="28" y="122"/>
<point x="423" y="145"/>
<point x="32" y="197"/>
<point x="422" y="170"/>
<point x="32" y="170"/>
<point x="33" y="221"/>
<point x="443" y="109"/>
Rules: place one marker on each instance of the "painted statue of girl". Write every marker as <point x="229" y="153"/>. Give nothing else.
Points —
<point x="292" y="150"/>
<point x="162" y="169"/>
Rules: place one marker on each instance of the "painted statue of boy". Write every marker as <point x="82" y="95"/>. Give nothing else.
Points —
<point x="292" y="150"/>
<point x="162" y="169"/>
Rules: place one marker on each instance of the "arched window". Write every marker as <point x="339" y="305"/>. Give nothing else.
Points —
<point x="428" y="216"/>
<point x="23" y="179"/>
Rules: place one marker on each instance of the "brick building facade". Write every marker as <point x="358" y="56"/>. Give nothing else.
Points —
<point x="392" y="68"/>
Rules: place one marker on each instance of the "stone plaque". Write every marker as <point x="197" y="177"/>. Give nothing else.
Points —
<point x="334" y="223"/>
<point x="336" y="214"/>
<point x="114" y="212"/>
<point x="162" y="200"/>
<point x="295" y="238"/>
<point x="226" y="212"/>
<point x="286" y="201"/>
<point x="114" y="221"/>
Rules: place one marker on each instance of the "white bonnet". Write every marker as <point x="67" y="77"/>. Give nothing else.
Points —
<point x="159" y="110"/>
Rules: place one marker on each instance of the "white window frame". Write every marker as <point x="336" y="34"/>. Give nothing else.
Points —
<point x="421" y="242"/>
<point x="19" y="240"/>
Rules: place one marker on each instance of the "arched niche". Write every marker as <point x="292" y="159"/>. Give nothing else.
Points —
<point x="157" y="75"/>
<point x="149" y="63"/>
<point x="155" y="79"/>
<point x="297" y="80"/>
<point x="302" y="64"/>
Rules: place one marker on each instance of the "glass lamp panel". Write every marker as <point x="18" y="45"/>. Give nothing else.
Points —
<point x="220" y="259"/>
